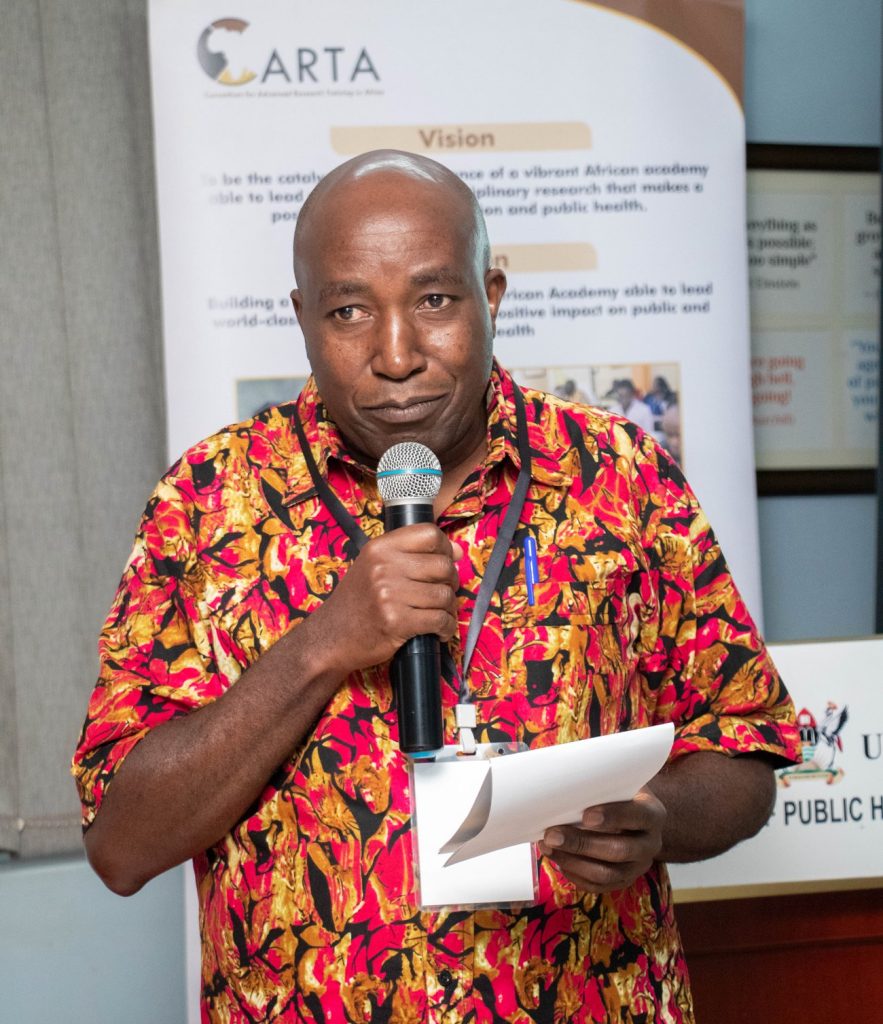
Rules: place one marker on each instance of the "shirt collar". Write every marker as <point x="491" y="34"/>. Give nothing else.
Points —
<point x="553" y="458"/>
<point x="324" y="440"/>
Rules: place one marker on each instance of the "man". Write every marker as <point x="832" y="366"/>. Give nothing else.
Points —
<point x="629" y="405"/>
<point x="671" y="431"/>
<point x="571" y="393"/>
<point x="243" y="715"/>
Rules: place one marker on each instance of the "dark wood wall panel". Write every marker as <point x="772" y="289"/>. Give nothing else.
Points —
<point x="804" y="959"/>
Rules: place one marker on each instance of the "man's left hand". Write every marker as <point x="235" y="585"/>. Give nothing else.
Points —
<point x="612" y="846"/>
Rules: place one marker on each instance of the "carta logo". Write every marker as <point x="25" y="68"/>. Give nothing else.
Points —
<point x="219" y="52"/>
<point x="228" y="57"/>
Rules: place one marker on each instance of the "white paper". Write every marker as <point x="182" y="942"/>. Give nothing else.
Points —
<point x="443" y="791"/>
<point x="523" y="794"/>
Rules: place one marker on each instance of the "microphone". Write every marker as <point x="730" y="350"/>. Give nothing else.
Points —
<point x="408" y="478"/>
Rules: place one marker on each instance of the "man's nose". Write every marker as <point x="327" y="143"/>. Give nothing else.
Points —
<point x="398" y="352"/>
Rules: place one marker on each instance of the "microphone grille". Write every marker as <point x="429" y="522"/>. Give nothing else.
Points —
<point x="408" y="472"/>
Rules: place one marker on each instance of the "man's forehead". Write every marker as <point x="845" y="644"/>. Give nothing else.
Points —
<point x="348" y="287"/>
<point x="378" y="201"/>
<point x="381" y="202"/>
<point x="432" y="243"/>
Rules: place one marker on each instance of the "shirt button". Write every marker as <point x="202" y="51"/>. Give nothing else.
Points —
<point x="445" y="977"/>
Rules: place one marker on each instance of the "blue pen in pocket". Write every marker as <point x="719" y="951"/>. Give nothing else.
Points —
<point x="531" y="569"/>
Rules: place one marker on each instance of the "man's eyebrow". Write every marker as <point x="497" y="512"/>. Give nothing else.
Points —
<point x="439" y="275"/>
<point x="436" y="276"/>
<point x="341" y="290"/>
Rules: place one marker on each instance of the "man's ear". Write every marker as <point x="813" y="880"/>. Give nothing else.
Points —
<point x="495" y="289"/>
<point x="297" y="302"/>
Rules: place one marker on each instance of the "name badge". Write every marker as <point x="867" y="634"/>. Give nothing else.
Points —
<point x="442" y="793"/>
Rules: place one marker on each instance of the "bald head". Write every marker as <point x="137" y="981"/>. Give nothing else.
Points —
<point x="397" y="304"/>
<point x="389" y="170"/>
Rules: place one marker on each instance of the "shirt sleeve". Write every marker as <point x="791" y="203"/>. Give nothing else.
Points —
<point x="707" y="663"/>
<point x="156" y="650"/>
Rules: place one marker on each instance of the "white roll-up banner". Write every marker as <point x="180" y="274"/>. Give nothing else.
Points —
<point x="605" y="143"/>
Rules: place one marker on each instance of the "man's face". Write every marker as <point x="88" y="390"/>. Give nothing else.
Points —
<point x="398" y="316"/>
<point x="624" y="395"/>
<point x="671" y="428"/>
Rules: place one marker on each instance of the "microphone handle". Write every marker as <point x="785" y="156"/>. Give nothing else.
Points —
<point x="416" y="666"/>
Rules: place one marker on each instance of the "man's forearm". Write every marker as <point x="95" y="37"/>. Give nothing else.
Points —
<point x="190" y="780"/>
<point x="712" y="802"/>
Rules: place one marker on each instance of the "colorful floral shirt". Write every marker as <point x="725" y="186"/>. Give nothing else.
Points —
<point x="307" y="906"/>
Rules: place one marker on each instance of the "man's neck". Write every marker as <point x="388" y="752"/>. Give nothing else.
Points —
<point x="455" y="476"/>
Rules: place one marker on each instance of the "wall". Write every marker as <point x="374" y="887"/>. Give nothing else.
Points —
<point x="812" y="76"/>
<point x="82" y="418"/>
<point x="72" y="952"/>
<point x="82" y="443"/>
<point x="817" y="566"/>
<point x="812" y="71"/>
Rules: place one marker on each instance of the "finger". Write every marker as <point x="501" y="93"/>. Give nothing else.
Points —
<point x="644" y="812"/>
<point x="439" y="622"/>
<point x="420" y="566"/>
<point x="609" y="848"/>
<point x="599" y="876"/>
<point x="433" y="569"/>
<point x="420" y="538"/>
<point x="387" y="571"/>
<point x="418" y="607"/>
<point x="419" y="594"/>
<point x="411" y="608"/>
<point x="424" y="622"/>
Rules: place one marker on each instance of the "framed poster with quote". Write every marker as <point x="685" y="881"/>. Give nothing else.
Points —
<point x="814" y="277"/>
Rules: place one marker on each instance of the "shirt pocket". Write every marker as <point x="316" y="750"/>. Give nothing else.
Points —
<point x="569" y="656"/>
<point x="572" y="590"/>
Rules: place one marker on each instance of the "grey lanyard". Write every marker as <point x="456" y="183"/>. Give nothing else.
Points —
<point x="501" y="545"/>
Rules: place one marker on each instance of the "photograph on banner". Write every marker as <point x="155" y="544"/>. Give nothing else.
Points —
<point x="814" y="274"/>
<point x="257" y="394"/>
<point x="646" y="393"/>
<point x="619" y="219"/>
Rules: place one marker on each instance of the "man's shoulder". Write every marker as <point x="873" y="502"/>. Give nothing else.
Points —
<point x="602" y="449"/>
<point x="219" y="487"/>
<point x="262" y="441"/>
<point x="592" y="420"/>
<point x="222" y="481"/>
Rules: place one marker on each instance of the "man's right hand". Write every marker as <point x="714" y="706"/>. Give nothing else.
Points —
<point x="402" y="584"/>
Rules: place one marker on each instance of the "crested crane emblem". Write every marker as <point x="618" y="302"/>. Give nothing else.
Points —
<point x="822" y="745"/>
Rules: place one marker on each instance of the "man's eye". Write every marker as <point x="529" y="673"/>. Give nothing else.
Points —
<point x="346" y="313"/>
<point x="436" y="301"/>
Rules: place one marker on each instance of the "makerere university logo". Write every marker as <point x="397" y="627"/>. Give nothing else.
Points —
<point x="821" y="746"/>
<point x="219" y="52"/>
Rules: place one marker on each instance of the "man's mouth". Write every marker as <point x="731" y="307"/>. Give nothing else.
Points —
<point x="408" y="410"/>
